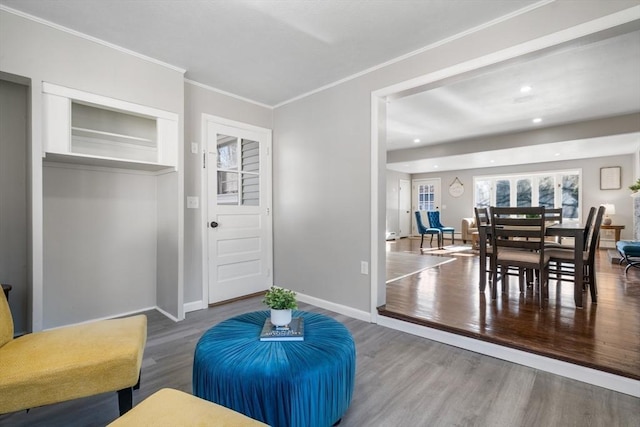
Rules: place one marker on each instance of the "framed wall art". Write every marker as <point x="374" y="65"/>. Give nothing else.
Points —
<point x="610" y="178"/>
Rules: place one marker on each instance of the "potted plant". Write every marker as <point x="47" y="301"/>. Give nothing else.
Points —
<point x="635" y="187"/>
<point x="281" y="301"/>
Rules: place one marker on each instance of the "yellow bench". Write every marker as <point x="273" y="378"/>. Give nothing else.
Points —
<point x="170" y="408"/>
<point x="68" y="363"/>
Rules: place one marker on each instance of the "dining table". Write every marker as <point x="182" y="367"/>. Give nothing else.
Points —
<point x="566" y="229"/>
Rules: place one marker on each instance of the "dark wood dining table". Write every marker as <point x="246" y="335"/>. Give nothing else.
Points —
<point x="573" y="230"/>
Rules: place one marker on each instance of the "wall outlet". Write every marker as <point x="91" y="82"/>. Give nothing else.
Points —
<point x="193" y="202"/>
<point x="364" y="267"/>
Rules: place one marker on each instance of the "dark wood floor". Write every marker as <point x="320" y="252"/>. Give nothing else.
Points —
<point x="604" y="336"/>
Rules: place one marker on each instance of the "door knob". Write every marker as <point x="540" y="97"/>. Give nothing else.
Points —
<point x="214" y="224"/>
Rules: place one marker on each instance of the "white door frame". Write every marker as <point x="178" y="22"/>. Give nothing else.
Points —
<point x="206" y="118"/>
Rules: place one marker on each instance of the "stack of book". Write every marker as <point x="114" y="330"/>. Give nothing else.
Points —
<point x="294" y="331"/>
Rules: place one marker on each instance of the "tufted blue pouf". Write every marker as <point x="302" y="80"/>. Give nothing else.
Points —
<point x="281" y="383"/>
<point x="630" y="251"/>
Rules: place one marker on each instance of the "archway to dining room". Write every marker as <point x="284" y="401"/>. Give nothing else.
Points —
<point x="442" y="301"/>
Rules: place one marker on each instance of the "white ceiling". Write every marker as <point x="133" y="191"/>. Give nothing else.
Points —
<point x="270" y="51"/>
<point x="273" y="51"/>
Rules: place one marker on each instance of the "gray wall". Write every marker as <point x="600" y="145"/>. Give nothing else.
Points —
<point x="13" y="197"/>
<point x="322" y="155"/>
<point x="199" y="100"/>
<point x="42" y="53"/>
<point x="462" y="207"/>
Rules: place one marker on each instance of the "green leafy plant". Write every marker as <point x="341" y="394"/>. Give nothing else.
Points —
<point x="280" y="299"/>
<point x="635" y="187"/>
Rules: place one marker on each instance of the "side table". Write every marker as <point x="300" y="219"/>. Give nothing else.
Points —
<point x="615" y="228"/>
<point x="281" y="383"/>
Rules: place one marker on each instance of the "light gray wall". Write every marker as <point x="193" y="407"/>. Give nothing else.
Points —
<point x="199" y="100"/>
<point x="13" y="197"/>
<point x="100" y="239"/>
<point x="322" y="152"/>
<point x="462" y="207"/>
<point x="393" y="200"/>
<point x="42" y="53"/>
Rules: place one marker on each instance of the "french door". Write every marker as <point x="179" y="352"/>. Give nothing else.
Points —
<point x="239" y="226"/>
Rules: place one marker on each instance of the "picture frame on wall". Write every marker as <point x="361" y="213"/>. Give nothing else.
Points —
<point x="610" y="178"/>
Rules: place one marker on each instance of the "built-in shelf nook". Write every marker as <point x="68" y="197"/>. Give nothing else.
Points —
<point x="91" y="129"/>
<point x="111" y="204"/>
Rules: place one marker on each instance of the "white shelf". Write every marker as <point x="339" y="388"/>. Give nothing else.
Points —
<point x="110" y="136"/>
<point x="111" y="162"/>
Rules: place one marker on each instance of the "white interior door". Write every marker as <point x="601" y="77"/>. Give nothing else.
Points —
<point x="426" y="197"/>
<point x="404" y="208"/>
<point x="239" y="228"/>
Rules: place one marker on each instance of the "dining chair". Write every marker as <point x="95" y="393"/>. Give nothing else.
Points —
<point x="425" y="230"/>
<point x="434" y="222"/>
<point x="553" y="216"/>
<point x="587" y="230"/>
<point x="483" y="220"/>
<point x="562" y="260"/>
<point x="517" y="237"/>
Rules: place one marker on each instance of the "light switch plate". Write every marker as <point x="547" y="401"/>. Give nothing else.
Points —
<point x="194" y="148"/>
<point x="193" y="202"/>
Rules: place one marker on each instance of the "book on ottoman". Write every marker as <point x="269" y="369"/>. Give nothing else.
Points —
<point x="292" y="332"/>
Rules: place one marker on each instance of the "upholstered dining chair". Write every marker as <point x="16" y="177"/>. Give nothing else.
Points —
<point x="427" y="230"/>
<point x="434" y="222"/>
<point x="517" y="237"/>
<point x="562" y="260"/>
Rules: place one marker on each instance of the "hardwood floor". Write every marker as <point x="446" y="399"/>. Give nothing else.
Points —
<point x="603" y="336"/>
<point x="401" y="380"/>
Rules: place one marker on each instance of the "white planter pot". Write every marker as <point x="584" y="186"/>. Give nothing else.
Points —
<point x="280" y="317"/>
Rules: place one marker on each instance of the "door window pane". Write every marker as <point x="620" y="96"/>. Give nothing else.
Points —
<point x="227" y="188"/>
<point x="426" y="197"/>
<point x="227" y="152"/>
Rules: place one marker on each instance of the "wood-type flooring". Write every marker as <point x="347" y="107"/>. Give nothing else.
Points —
<point x="603" y="336"/>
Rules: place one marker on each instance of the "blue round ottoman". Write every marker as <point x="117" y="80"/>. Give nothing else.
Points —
<point x="281" y="383"/>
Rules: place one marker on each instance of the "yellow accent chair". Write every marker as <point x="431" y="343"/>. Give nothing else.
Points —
<point x="68" y="363"/>
<point x="169" y="407"/>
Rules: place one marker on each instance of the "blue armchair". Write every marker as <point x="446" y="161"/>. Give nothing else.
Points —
<point x="434" y="222"/>
<point x="424" y="230"/>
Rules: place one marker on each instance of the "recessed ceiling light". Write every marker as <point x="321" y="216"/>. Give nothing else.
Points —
<point x="435" y="166"/>
<point x="537" y="120"/>
<point x="492" y="161"/>
<point x="416" y="140"/>
<point x="557" y="154"/>
<point x="525" y="89"/>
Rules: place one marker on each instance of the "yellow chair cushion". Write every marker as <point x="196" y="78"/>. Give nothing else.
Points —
<point x="71" y="362"/>
<point x="6" y="321"/>
<point x="171" y="408"/>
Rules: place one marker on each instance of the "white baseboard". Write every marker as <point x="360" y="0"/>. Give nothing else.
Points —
<point x="194" y="306"/>
<point x="338" y="308"/>
<point x="557" y="367"/>
<point x="169" y="315"/>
